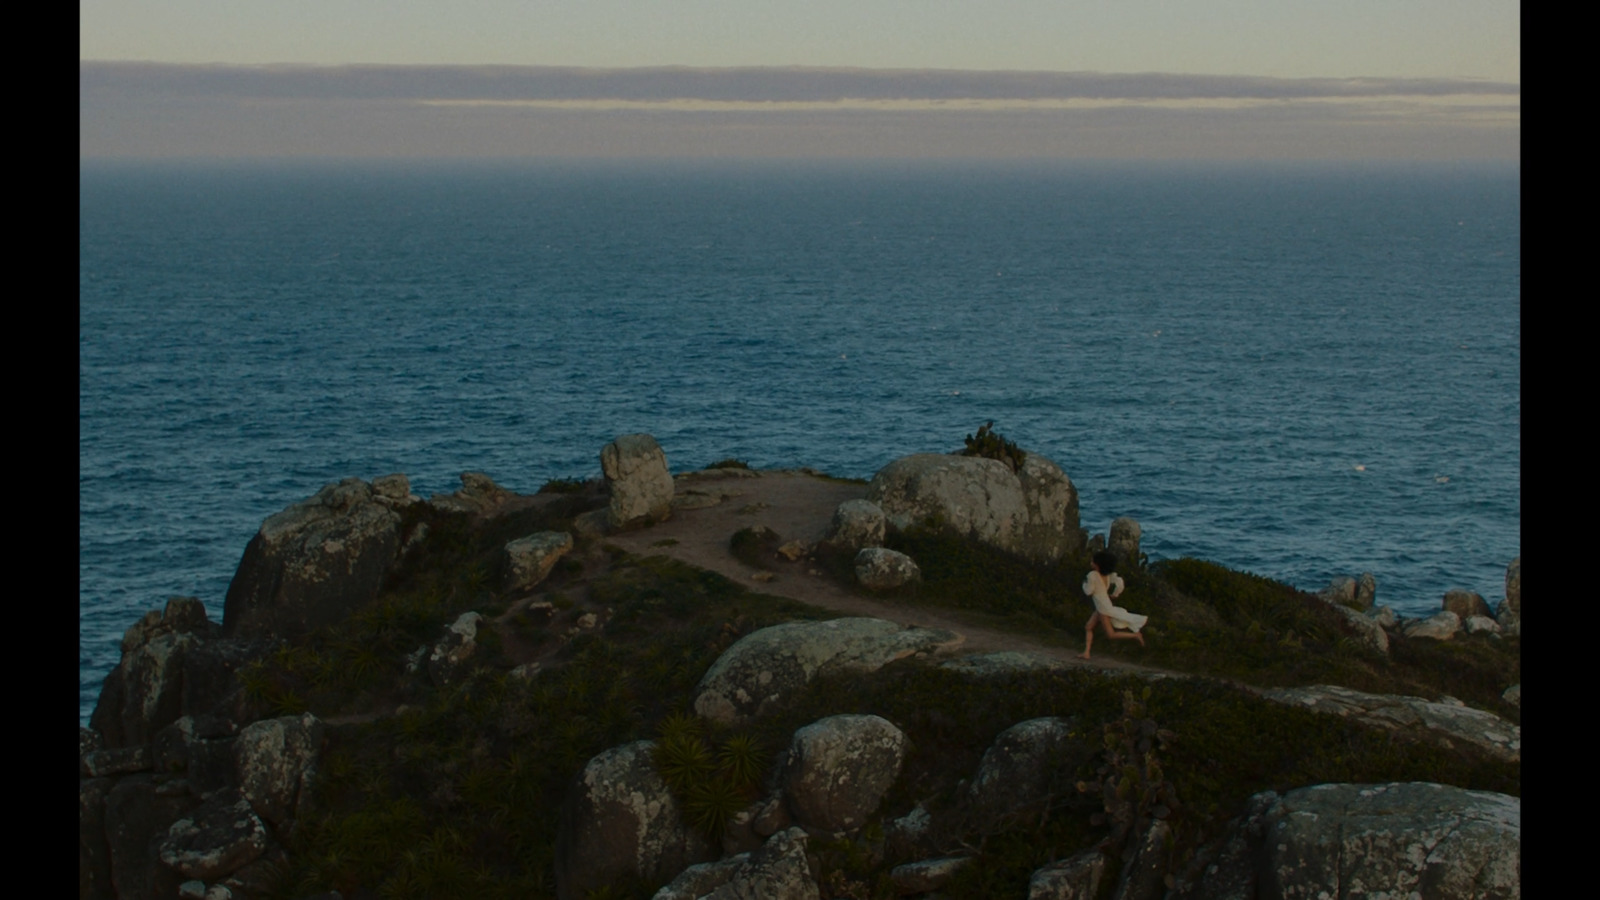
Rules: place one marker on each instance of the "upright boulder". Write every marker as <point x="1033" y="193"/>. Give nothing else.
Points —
<point x="620" y="821"/>
<point x="1032" y="512"/>
<point x="1510" y="612"/>
<point x="1124" y="542"/>
<point x="276" y="762"/>
<point x="839" y="769"/>
<point x="314" y="563"/>
<point x="641" y="487"/>
<point x="144" y="693"/>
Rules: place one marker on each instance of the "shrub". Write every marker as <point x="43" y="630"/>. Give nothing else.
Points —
<point x="988" y="444"/>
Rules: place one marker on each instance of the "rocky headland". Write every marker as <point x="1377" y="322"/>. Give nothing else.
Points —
<point x="732" y="683"/>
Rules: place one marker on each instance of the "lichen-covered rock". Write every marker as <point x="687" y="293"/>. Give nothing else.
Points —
<point x="530" y="559"/>
<point x="1384" y="616"/>
<point x="641" y="487"/>
<point x="120" y="761"/>
<point x="276" y="762"/>
<point x="1481" y="625"/>
<point x="138" y="809"/>
<point x="1441" y="626"/>
<point x="1366" y="591"/>
<point x="144" y="693"/>
<point x="1445" y="722"/>
<point x="1513" y="694"/>
<point x="839" y="769"/>
<point x="927" y="875"/>
<point x="1466" y="604"/>
<point x="215" y="839"/>
<point x="779" y="870"/>
<point x="856" y="524"/>
<point x="1032" y="512"/>
<point x="313" y="564"/>
<point x="766" y="667"/>
<point x="1074" y="878"/>
<point x="1023" y="768"/>
<point x="1392" y="840"/>
<point x="1368" y="629"/>
<point x="1124" y="542"/>
<point x="620" y="821"/>
<point x="881" y="569"/>
<point x="453" y="652"/>
<point x="1341" y="591"/>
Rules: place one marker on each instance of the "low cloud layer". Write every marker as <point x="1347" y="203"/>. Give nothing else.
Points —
<point x="138" y="110"/>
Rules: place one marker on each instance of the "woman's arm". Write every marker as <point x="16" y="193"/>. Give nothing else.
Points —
<point x="1116" y="585"/>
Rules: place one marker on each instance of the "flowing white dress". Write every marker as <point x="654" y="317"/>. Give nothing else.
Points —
<point x="1096" y="587"/>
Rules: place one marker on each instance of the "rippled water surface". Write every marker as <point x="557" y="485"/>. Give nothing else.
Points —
<point x="1297" y="371"/>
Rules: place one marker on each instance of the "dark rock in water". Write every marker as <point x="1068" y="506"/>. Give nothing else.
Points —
<point x="620" y="821"/>
<point x="144" y="693"/>
<point x="313" y="564"/>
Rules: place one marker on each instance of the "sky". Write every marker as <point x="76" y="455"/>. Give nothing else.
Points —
<point x="1244" y="79"/>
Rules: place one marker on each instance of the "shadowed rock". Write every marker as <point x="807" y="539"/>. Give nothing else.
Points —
<point x="1074" y="878"/>
<point x="881" y="569"/>
<point x="1446" y="722"/>
<point x="856" y="524"/>
<point x="144" y="693"/>
<point x="839" y="769"/>
<point x="1019" y="772"/>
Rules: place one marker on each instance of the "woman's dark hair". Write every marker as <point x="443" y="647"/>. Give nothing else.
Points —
<point x="1107" y="561"/>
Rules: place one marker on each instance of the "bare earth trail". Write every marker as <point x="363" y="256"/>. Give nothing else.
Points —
<point x="798" y="505"/>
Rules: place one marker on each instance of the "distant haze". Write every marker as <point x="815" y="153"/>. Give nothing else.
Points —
<point x="164" y="111"/>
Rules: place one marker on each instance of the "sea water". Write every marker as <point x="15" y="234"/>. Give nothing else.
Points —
<point x="1301" y="371"/>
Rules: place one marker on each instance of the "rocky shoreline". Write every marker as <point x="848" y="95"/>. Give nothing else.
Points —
<point x="208" y="771"/>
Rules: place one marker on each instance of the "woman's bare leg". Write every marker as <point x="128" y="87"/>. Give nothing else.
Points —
<point x="1088" y="634"/>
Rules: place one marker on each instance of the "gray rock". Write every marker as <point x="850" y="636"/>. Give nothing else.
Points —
<point x="1144" y="872"/>
<point x="192" y="890"/>
<point x="144" y="693"/>
<point x="1368" y="629"/>
<point x="1074" y="878"/>
<point x="136" y="813"/>
<point x="880" y="569"/>
<point x="1392" y="840"/>
<point x="89" y="741"/>
<point x="453" y="652"/>
<point x="1033" y="512"/>
<point x="1384" y="616"/>
<point x="169" y="748"/>
<point x="1226" y="869"/>
<point x="1443" y="722"/>
<point x="1366" y="591"/>
<point x="1124" y="542"/>
<point x="216" y="839"/>
<point x="1510" y="612"/>
<point x="766" y="667"/>
<point x="1513" y="695"/>
<point x="276" y="762"/>
<point x="701" y="879"/>
<point x="909" y="834"/>
<point x="778" y="871"/>
<point x="927" y="875"/>
<point x="1340" y="591"/>
<point x="641" y="487"/>
<point x="1466" y="604"/>
<point x="1003" y="663"/>
<point x="1441" y="626"/>
<point x="121" y="761"/>
<point x="839" y="769"/>
<point x="856" y="524"/>
<point x="1022" y="770"/>
<point x="530" y="559"/>
<point x="313" y="564"/>
<point x="396" y="487"/>
<point x="1481" y="625"/>
<point x="620" y="821"/>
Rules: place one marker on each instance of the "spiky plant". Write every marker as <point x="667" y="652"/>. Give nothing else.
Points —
<point x="740" y="758"/>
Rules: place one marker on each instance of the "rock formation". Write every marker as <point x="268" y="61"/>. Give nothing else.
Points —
<point x="641" y="487"/>
<point x="881" y="569"/>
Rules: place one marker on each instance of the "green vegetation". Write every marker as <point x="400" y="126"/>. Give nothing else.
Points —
<point x="988" y="444"/>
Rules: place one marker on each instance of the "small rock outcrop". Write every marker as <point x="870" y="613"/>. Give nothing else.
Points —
<point x="766" y="667"/>
<point x="1366" y="591"/>
<point x="1074" y="878"/>
<point x="778" y="870"/>
<point x="1032" y="512"/>
<point x="1509" y="612"/>
<point x="927" y="875"/>
<point x="641" y="487"/>
<point x="219" y="837"/>
<point x="1368" y="628"/>
<point x="454" y="651"/>
<point x="1124" y="542"/>
<point x="1446" y="722"/>
<point x="144" y="693"/>
<point x="881" y="569"/>
<point x="620" y="821"/>
<point x="856" y="524"/>
<point x="530" y="559"/>
<point x="839" y="769"/>
<point x="314" y="563"/>
<point x="276" y="762"/>
<point x="1466" y="604"/>
<point x="1441" y="626"/>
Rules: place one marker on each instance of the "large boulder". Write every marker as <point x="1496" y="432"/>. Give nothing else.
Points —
<point x="1391" y="840"/>
<point x="882" y="569"/>
<point x="314" y="563"/>
<point x="641" y="487"/>
<point x="1465" y="604"/>
<point x="620" y="822"/>
<point x="839" y="769"/>
<point x="856" y="524"/>
<point x="1441" y="721"/>
<point x="144" y="693"/>
<point x="276" y="762"/>
<point x="1019" y="772"/>
<point x="1032" y="512"/>
<point x="766" y="667"/>
<point x="1124" y="542"/>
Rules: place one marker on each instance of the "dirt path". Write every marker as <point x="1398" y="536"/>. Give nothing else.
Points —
<point x="799" y="506"/>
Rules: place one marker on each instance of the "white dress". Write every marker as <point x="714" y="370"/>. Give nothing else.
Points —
<point x="1096" y="587"/>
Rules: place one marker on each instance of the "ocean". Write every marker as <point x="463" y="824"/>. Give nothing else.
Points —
<point x="1303" y="371"/>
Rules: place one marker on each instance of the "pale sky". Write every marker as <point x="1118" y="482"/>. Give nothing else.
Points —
<point x="1280" y="38"/>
